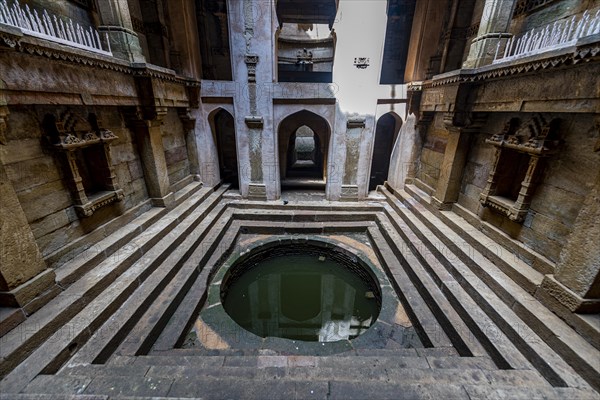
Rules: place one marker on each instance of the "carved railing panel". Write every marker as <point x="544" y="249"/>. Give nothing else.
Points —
<point x="50" y="27"/>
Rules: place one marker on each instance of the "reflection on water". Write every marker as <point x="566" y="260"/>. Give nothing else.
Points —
<point x="302" y="297"/>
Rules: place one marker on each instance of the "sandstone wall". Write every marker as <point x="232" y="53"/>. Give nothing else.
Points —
<point x="567" y="179"/>
<point x="175" y="149"/>
<point x="37" y="173"/>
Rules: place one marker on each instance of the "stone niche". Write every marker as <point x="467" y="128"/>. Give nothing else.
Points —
<point x="521" y="149"/>
<point x="84" y="151"/>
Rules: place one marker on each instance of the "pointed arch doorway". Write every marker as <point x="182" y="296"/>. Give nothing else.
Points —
<point x="303" y="139"/>
<point x="386" y="134"/>
<point x="223" y="128"/>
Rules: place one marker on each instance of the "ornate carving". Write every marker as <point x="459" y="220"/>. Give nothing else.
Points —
<point x="254" y="122"/>
<point x="87" y="209"/>
<point x="251" y="60"/>
<point x="71" y="134"/>
<point x="356" y="122"/>
<point x="536" y="139"/>
<point x="304" y="57"/>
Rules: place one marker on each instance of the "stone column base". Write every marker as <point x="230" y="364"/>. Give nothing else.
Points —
<point x="349" y="193"/>
<point x="440" y="205"/>
<point x="163" y="201"/>
<point x="23" y="294"/>
<point x="566" y="297"/>
<point x="257" y="191"/>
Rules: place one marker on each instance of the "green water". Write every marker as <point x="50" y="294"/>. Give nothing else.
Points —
<point x="303" y="298"/>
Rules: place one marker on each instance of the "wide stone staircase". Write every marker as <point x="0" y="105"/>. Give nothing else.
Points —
<point x="118" y="327"/>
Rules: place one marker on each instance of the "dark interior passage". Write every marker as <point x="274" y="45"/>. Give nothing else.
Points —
<point x="385" y="137"/>
<point x="224" y="131"/>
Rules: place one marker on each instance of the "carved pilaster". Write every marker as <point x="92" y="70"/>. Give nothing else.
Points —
<point x="193" y="93"/>
<point x="455" y="156"/>
<point x="147" y="123"/>
<point x="253" y="121"/>
<point x="189" y="127"/>
<point x="3" y="124"/>
<point x="251" y="61"/>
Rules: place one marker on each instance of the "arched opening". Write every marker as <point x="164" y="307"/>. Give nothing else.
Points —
<point x="304" y="159"/>
<point x="303" y="145"/>
<point x="223" y="128"/>
<point x="386" y="133"/>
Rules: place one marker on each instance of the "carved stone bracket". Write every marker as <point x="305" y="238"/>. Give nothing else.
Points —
<point x="254" y="122"/>
<point x="136" y="117"/>
<point x="186" y="118"/>
<point x="356" y="122"/>
<point x="193" y="93"/>
<point x="251" y="60"/>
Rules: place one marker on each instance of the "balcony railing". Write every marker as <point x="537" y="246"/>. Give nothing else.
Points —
<point x="50" y="27"/>
<point x="554" y="36"/>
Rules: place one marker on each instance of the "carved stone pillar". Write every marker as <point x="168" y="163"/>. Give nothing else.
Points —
<point x="148" y="133"/>
<point x="493" y="28"/>
<point x="23" y="272"/>
<point x="455" y="157"/>
<point x="576" y="281"/>
<point x="189" y="126"/>
<point x="116" y="22"/>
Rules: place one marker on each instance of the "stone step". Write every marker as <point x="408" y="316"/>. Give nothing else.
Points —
<point x="9" y="318"/>
<point x="24" y="338"/>
<point x="95" y="310"/>
<point x="228" y="382"/>
<point x="159" y="290"/>
<point x="392" y="360"/>
<point x="396" y="352"/>
<point x="334" y="206"/>
<point x="510" y="261"/>
<point x="104" y="247"/>
<point x="548" y="324"/>
<point x="180" y="321"/>
<point x="527" y="323"/>
<point x="485" y="237"/>
<point x="412" y="270"/>
<point x="191" y="357"/>
<point x="398" y="371"/>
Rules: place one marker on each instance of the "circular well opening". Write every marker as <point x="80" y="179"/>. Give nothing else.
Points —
<point x="302" y="292"/>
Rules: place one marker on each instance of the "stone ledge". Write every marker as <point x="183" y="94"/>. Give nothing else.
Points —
<point x="566" y="297"/>
<point x="24" y="293"/>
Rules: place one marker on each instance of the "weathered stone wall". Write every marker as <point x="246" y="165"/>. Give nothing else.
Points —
<point x="178" y="165"/>
<point x="432" y="153"/>
<point x="567" y="179"/>
<point x="37" y="173"/>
